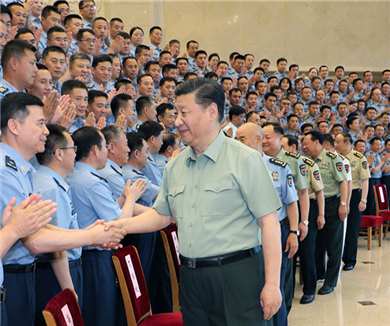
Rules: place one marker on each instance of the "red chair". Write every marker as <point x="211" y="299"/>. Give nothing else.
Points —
<point x="63" y="310"/>
<point x="382" y="205"/>
<point x="369" y="222"/>
<point x="170" y="240"/>
<point x="135" y="294"/>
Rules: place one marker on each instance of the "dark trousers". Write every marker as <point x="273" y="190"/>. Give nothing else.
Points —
<point x="226" y="295"/>
<point x="47" y="286"/>
<point x="370" y="209"/>
<point x="353" y="228"/>
<point x="100" y="291"/>
<point x="20" y="300"/>
<point x="329" y="241"/>
<point x="3" y="315"/>
<point x="306" y="249"/>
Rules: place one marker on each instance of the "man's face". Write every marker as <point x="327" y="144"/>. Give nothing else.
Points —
<point x="342" y="109"/>
<point x="258" y="75"/>
<point x="130" y="68"/>
<point x="128" y="111"/>
<point x="279" y="94"/>
<point x="376" y="95"/>
<point x="368" y="77"/>
<point x="320" y="95"/>
<point x="168" y="120"/>
<point x="243" y="85"/>
<point x="235" y="98"/>
<point x="168" y="89"/>
<point x="116" y="28"/>
<point x="145" y="88"/>
<point x="68" y="154"/>
<point x="227" y="85"/>
<point x="339" y="73"/>
<point x="43" y="84"/>
<point x="165" y="59"/>
<point x="59" y="39"/>
<point x="273" y="82"/>
<point x="334" y="99"/>
<point x="323" y="128"/>
<point x="156" y="37"/>
<point x="102" y="73"/>
<point x="339" y="144"/>
<point x="102" y="153"/>
<point x="316" y="84"/>
<point x="239" y="65"/>
<point x="284" y="144"/>
<point x="252" y="101"/>
<point x="171" y="73"/>
<point x="306" y="94"/>
<point x="325" y="113"/>
<point x="120" y="149"/>
<point x="238" y="120"/>
<point x="87" y="44"/>
<point x="64" y="10"/>
<point x="81" y="68"/>
<point x="101" y="29"/>
<point x="201" y="61"/>
<point x="270" y="103"/>
<point x="358" y="85"/>
<point x="379" y="131"/>
<point x="26" y="69"/>
<point x="247" y="137"/>
<point x="370" y="114"/>
<point x="157" y="143"/>
<point x="360" y="147"/>
<point x="324" y="72"/>
<point x="79" y="96"/>
<point x="313" y="110"/>
<point x="223" y="68"/>
<point x="261" y="88"/>
<point x="265" y="66"/>
<point x="308" y="146"/>
<point x="155" y="72"/>
<point x="271" y="141"/>
<point x="385" y="120"/>
<point x="192" y="49"/>
<point x="255" y="118"/>
<point x="386" y="76"/>
<point x="73" y="26"/>
<point x="54" y="19"/>
<point x="343" y="87"/>
<point x="33" y="131"/>
<point x="116" y="68"/>
<point x="387" y="147"/>
<point x="88" y="11"/>
<point x="3" y="36"/>
<point x="6" y="19"/>
<point x="286" y="105"/>
<point x="385" y="90"/>
<point x="151" y="112"/>
<point x="249" y="62"/>
<point x="298" y="111"/>
<point x="18" y="16"/>
<point x="143" y="154"/>
<point x="29" y="38"/>
<point x="182" y="66"/>
<point x="175" y="49"/>
<point x="376" y="145"/>
<point x="99" y="107"/>
<point x="282" y="67"/>
<point x="295" y="71"/>
<point x="370" y="132"/>
<point x="293" y="123"/>
<point x="329" y="86"/>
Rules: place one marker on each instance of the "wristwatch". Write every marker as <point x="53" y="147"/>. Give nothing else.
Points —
<point x="305" y="222"/>
<point x="343" y="203"/>
<point x="295" y="232"/>
<point x="364" y="201"/>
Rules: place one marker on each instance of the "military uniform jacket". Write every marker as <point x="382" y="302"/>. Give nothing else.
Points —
<point x="359" y="168"/>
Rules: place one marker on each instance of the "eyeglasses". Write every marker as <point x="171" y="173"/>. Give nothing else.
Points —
<point x="65" y="148"/>
<point x="64" y="10"/>
<point x="89" y="7"/>
<point x="90" y="40"/>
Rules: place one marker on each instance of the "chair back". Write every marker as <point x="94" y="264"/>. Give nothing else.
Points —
<point x="132" y="283"/>
<point x="381" y="199"/>
<point x="63" y="310"/>
<point x="170" y="240"/>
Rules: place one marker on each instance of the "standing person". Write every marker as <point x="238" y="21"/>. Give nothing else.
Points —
<point x="211" y="190"/>
<point x="360" y="176"/>
<point x="330" y="237"/>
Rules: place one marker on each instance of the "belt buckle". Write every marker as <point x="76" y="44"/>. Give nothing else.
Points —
<point x="34" y="267"/>
<point x="191" y="263"/>
<point x="2" y="294"/>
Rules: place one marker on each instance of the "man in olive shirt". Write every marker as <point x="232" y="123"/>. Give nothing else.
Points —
<point x="330" y="237"/>
<point x="212" y="191"/>
<point x="360" y="177"/>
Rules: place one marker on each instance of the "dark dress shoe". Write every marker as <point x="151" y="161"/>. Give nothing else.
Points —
<point x="348" y="267"/>
<point x="307" y="298"/>
<point x="326" y="289"/>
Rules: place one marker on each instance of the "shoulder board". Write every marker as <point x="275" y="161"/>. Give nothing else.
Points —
<point x="117" y="171"/>
<point x="308" y="161"/>
<point x="59" y="184"/>
<point x="3" y="89"/>
<point x="292" y="154"/>
<point x="341" y="156"/>
<point x="11" y="163"/>
<point x="278" y="162"/>
<point x="359" y="155"/>
<point x="90" y="85"/>
<point x="98" y="176"/>
<point x="150" y="159"/>
<point x="139" y="173"/>
<point x="332" y="155"/>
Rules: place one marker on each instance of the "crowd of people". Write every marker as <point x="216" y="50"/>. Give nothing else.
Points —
<point x="78" y="88"/>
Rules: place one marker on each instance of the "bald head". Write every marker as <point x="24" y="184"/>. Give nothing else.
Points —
<point x="251" y="135"/>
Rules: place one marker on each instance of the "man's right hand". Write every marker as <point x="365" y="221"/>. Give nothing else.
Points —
<point x="103" y="236"/>
<point x="134" y="190"/>
<point x="270" y="300"/>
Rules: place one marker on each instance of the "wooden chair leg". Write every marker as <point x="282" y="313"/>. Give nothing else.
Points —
<point x="380" y="235"/>
<point x="369" y="234"/>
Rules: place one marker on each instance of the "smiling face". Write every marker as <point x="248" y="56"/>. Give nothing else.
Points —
<point x="43" y="84"/>
<point x="102" y="73"/>
<point x="79" y="96"/>
<point x="81" y="68"/>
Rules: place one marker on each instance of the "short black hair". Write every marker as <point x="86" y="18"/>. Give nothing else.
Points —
<point x="236" y="110"/>
<point x="85" y="139"/>
<point x="101" y="58"/>
<point x="22" y="31"/>
<point x="168" y="140"/>
<point x="81" y="3"/>
<point x="80" y="33"/>
<point x="277" y="128"/>
<point x="329" y="139"/>
<point x="93" y="94"/>
<point x="316" y="135"/>
<point x="142" y="102"/>
<point x="154" y="28"/>
<point x="135" y="141"/>
<point x="122" y="82"/>
<point x="169" y="66"/>
<point x="54" y="140"/>
<point x="162" y="108"/>
<point x="291" y="140"/>
<point x="54" y="29"/>
<point x="70" y="85"/>
<point x="373" y="139"/>
<point x="150" y="128"/>
<point x="46" y="12"/>
<point x="112" y="132"/>
<point x="70" y="17"/>
<point x="15" y="49"/>
<point x="167" y="79"/>
<point x="119" y="101"/>
<point x="52" y="48"/>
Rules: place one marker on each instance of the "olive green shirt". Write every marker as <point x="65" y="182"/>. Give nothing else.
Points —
<point x="314" y="180"/>
<point x="359" y="168"/>
<point x="216" y="198"/>
<point x="332" y="172"/>
<point x="297" y="167"/>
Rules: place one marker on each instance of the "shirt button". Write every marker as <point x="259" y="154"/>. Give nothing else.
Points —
<point x="190" y="244"/>
<point x="190" y="225"/>
<point x="196" y="186"/>
<point x="198" y="167"/>
<point x="217" y="189"/>
<point x="193" y="205"/>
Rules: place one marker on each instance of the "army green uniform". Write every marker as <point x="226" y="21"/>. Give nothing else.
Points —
<point x="360" y="171"/>
<point x="330" y="238"/>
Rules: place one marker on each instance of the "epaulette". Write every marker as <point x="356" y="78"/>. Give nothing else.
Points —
<point x="293" y="155"/>
<point x="359" y="155"/>
<point x="139" y="173"/>
<point x="11" y="163"/>
<point x="308" y="161"/>
<point x="98" y="176"/>
<point x="90" y="85"/>
<point x="117" y="171"/>
<point x="4" y="89"/>
<point x="341" y="156"/>
<point x="278" y="162"/>
<point x="332" y="155"/>
<point x="150" y="159"/>
<point x="59" y="184"/>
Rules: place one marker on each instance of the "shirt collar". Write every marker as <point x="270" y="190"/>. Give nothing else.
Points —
<point x="85" y="166"/>
<point x="20" y="162"/>
<point x="55" y="175"/>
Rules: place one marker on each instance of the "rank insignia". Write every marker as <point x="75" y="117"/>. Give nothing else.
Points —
<point x="11" y="163"/>
<point x="274" y="175"/>
<point x="302" y="168"/>
<point x="347" y="168"/>
<point x="339" y="166"/>
<point x="364" y="164"/>
<point x="316" y="175"/>
<point x="290" y="180"/>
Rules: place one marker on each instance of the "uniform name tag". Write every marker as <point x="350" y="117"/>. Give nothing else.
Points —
<point x="133" y="277"/>
<point x="67" y="315"/>
<point x="176" y="244"/>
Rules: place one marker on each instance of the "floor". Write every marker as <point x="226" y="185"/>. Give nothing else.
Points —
<point x="362" y="296"/>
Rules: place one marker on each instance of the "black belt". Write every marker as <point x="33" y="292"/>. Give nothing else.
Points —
<point x="220" y="260"/>
<point x="23" y="269"/>
<point x="2" y="294"/>
<point x="72" y="264"/>
<point x="328" y="199"/>
<point x="356" y="190"/>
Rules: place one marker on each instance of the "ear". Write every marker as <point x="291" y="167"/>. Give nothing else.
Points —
<point x="159" y="118"/>
<point x="151" y="139"/>
<point x="93" y="70"/>
<point x="136" y="154"/>
<point x="58" y="155"/>
<point x="13" y="62"/>
<point x="13" y="127"/>
<point x="110" y="146"/>
<point x="120" y="111"/>
<point x="213" y="111"/>
<point x="258" y="140"/>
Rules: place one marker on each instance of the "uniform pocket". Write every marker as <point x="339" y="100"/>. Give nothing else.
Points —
<point x="176" y="199"/>
<point x="217" y="199"/>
